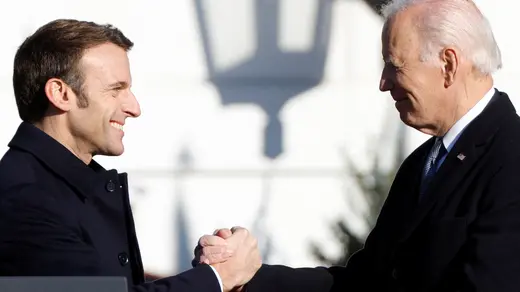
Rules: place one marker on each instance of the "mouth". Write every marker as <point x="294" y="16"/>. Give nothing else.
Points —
<point x="116" y="125"/>
<point x="399" y="98"/>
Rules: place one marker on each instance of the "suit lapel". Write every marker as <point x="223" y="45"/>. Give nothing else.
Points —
<point x="460" y="160"/>
<point x="402" y="198"/>
<point x="450" y="174"/>
<point x="415" y="176"/>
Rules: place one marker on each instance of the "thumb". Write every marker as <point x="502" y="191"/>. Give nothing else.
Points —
<point x="224" y="233"/>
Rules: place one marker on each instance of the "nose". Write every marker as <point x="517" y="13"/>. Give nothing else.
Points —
<point x="131" y="106"/>
<point x="385" y="84"/>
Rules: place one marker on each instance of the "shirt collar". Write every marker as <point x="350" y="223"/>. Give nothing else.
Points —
<point x="454" y="133"/>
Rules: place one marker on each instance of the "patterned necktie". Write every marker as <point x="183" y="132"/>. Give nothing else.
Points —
<point x="430" y="168"/>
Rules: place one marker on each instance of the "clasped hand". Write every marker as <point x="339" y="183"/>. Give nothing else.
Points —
<point x="233" y="253"/>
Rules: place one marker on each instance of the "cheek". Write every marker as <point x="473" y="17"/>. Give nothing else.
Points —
<point x="406" y="81"/>
<point x="94" y="121"/>
<point x="421" y="87"/>
<point x="98" y="114"/>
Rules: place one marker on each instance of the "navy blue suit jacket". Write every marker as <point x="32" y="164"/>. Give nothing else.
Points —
<point x="462" y="236"/>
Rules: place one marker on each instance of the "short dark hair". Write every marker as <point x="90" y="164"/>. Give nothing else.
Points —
<point x="54" y="51"/>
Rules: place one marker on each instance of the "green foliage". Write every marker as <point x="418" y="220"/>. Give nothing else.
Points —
<point x="374" y="185"/>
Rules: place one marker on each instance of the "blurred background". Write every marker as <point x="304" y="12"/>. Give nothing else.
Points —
<point x="259" y="113"/>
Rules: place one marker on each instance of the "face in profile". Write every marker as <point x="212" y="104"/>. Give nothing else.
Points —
<point x="98" y="124"/>
<point x="416" y="86"/>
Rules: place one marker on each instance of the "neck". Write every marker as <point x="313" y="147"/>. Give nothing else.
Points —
<point x="467" y="97"/>
<point x="54" y="126"/>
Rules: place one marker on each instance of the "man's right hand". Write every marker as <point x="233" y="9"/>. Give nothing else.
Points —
<point x="240" y="258"/>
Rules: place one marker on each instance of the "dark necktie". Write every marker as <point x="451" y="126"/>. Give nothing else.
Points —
<point x="430" y="168"/>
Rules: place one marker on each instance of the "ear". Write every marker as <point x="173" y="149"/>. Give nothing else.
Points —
<point x="450" y="61"/>
<point x="58" y="94"/>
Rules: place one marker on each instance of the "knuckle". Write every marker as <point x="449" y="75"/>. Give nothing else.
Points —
<point x="241" y="232"/>
<point x="223" y="250"/>
<point x="214" y="252"/>
<point x="212" y="240"/>
<point x="237" y="229"/>
<point x="204" y="240"/>
<point x="206" y="251"/>
<point x="212" y="258"/>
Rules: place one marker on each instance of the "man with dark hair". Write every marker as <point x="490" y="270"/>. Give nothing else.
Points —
<point x="36" y="61"/>
<point x="61" y="213"/>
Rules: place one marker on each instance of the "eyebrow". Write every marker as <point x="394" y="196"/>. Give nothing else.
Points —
<point x="117" y="85"/>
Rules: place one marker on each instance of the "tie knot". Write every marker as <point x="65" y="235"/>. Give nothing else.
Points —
<point x="430" y="168"/>
<point x="438" y="148"/>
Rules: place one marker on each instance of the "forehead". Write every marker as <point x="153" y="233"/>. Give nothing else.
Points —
<point x="399" y="37"/>
<point x="106" y="63"/>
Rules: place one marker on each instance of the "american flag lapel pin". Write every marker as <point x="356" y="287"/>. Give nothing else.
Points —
<point x="461" y="156"/>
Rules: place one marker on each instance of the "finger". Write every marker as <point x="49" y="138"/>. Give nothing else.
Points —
<point x="224" y="233"/>
<point x="212" y="240"/>
<point x="240" y="237"/>
<point x="236" y="228"/>
<point x="215" y="251"/>
<point x="239" y="233"/>
<point x="197" y="249"/>
<point x="214" y="254"/>
<point x="197" y="256"/>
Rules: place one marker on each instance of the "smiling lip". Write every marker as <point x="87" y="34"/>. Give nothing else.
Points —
<point x="117" y="125"/>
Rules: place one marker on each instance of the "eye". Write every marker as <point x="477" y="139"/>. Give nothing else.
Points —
<point x="393" y="68"/>
<point x="115" y="92"/>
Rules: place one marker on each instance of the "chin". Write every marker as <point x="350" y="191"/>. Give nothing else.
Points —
<point x="418" y="125"/>
<point x="115" y="151"/>
<point x="407" y="119"/>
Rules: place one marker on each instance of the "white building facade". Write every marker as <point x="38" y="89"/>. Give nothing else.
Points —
<point x="250" y="111"/>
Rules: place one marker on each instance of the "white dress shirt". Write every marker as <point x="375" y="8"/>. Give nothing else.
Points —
<point x="218" y="278"/>
<point x="454" y="133"/>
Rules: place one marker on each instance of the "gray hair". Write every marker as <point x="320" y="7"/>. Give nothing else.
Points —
<point x="456" y="23"/>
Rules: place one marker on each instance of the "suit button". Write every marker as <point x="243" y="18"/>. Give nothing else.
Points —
<point x="110" y="186"/>
<point x="123" y="258"/>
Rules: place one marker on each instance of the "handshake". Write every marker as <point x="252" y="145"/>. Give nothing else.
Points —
<point x="233" y="253"/>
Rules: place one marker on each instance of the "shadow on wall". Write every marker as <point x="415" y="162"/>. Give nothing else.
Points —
<point x="271" y="76"/>
<point x="269" y="79"/>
